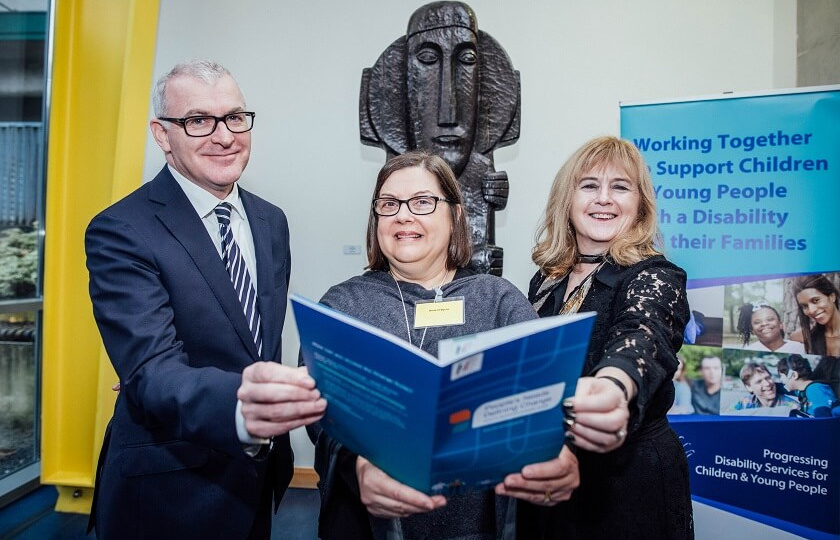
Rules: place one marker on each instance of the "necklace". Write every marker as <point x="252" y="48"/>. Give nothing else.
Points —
<point x="438" y="297"/>
<point x="574" y="301"/>
<point x="591" y="259"/>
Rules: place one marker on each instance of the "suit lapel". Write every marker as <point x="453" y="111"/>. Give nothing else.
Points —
<point x="262" y="234"/>
<point x="180" y="218"/>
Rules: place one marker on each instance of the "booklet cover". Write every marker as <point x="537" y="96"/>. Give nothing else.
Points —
<point x="487" y="406"/>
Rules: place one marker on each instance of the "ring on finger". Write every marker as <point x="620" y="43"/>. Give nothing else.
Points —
<point x="620" y="434"/>
<point x="547" y="498"/>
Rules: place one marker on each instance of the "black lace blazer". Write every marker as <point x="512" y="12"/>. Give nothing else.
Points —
<point x="642" y="312"/>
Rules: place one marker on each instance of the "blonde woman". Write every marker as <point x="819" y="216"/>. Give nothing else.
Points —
<point x="597" y="251"/>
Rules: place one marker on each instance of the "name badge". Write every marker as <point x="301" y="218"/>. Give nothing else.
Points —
<point x="448" y="312"/>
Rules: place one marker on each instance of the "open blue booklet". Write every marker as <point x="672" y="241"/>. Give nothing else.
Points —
<point x="487" y="406"/>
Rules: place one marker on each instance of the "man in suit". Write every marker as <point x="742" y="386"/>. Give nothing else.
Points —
<point x="198" y="446"/>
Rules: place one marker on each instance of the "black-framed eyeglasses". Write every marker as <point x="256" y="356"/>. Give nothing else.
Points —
<point x="204" y="125"/>
<point x="419" y="206"/>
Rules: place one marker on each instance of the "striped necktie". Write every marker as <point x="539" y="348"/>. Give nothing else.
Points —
<point x="239" y="276"/>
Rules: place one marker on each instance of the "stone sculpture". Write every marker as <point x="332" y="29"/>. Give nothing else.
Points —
<point x="448" y="88"/>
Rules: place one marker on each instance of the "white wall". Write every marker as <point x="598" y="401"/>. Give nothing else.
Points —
<point x="299" y="65"/>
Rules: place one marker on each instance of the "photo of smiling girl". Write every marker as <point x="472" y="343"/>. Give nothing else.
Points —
<point x="761" y="316"/>
<point x="763" y="321"/>
<point x="819" y="313"/>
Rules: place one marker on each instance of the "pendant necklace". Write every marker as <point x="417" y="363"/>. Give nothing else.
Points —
<point x="576" y="298"/>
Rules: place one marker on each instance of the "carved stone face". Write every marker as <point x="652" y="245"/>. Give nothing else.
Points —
<point x="442" y="79"/>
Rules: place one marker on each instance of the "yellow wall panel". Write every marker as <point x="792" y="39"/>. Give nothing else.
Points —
<point x="101" y="80"/>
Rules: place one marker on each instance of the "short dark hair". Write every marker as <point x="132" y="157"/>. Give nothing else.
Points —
<point x="711" y="358"/>
<point x="460" y="246"/>
<point x="828" y="371"/>
<point x="797" y="363"/>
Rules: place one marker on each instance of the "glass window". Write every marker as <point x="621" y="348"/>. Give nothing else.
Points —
<point x="18" y="392"/>
<point x="23" y="44"/>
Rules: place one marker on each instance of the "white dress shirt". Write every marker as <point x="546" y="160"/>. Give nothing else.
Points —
<point x="204" y="203"/>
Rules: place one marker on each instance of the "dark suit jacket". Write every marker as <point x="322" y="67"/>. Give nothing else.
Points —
<point x="172" y="465"/>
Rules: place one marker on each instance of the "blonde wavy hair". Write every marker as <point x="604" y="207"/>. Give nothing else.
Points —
<point x="556" y="249"/>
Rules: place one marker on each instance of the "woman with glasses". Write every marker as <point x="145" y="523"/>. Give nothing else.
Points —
<point x="762" y="320"/>
<point x="418" y="247"/>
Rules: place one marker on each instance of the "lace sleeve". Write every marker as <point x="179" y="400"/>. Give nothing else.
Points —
<point x="651" y="313"/>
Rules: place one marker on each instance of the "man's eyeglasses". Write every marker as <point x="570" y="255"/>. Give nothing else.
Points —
<point x="419" y="206"/>
<point x="202" y="126"/>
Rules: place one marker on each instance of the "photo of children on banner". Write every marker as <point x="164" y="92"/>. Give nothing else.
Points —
<point x="818" y="299"/>
<point x="763" y="321"/>
<point x="761" y="316"/>
<point x="816" y="398"/>
<point x="764" y="391"/>
<point x="752" y="387"/>
<point x="705" y="326"/>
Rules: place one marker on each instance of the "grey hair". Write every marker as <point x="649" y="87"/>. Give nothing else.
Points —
<point x="203" y="70"/>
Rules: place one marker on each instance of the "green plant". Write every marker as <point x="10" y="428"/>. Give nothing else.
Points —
<point x="18" y="262"/>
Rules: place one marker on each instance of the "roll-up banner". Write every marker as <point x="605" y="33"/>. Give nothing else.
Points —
<point x="748" y="195"/>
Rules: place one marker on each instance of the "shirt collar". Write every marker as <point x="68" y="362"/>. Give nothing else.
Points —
<point x="202" y="200"/>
